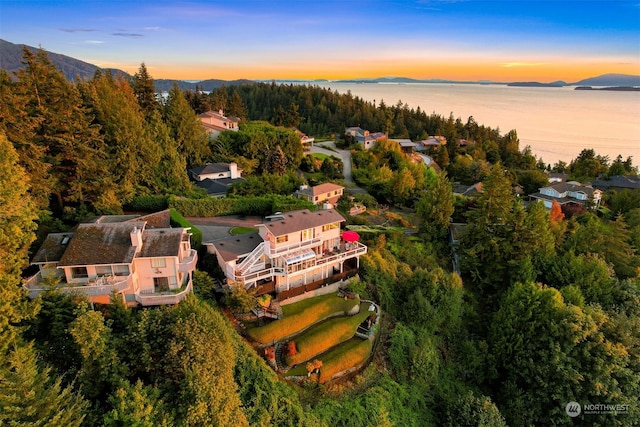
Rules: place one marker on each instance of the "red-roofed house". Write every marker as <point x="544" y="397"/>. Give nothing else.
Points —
<point x="143" y="265"/>
<point x="291" y="253"/>
<point x="321" y="194"/>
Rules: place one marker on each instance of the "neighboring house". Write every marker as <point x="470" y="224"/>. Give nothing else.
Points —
<point x="119" y="255"/>
<point x="216" y="178"/>
<point x="407" y="146"/>
<point x="215" y="123"/>
<point x="291" y="253"/>
<point x="618" y="182"/>
<point x="321" y="194"/>
<point x="306" y="141"/>
<point x="364" y="137"/>
<point x="557" y="177"/>
<point x="431" y="142"/>
<point x="467" y="190"/>
<point x="568" y="192"/>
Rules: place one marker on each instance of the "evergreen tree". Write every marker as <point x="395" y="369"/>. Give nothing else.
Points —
<point x="19" y="127"/>
<point x="144" y="90"/>
<point x="17" y="228"/>
<point x="72" y="146"/>
<point x="28" y="395"/>
<point x="435" y="207"/>
<point x="191" y="139"/>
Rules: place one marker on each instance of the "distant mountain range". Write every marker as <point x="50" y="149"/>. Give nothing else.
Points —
<point x="11" y="61"/>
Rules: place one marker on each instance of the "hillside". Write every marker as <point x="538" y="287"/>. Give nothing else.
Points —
<point x="11" y="61"/>
<point x="611" y="80"/>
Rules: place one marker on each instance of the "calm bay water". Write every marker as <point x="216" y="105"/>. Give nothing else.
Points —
<point x="556" y="122"/>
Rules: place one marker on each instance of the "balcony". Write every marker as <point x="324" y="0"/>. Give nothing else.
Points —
<point x="259" y="275"/>
<point x="352" y="250"/>
<point x="188" y="263"/>
<point x="281" y="250"/>
<point x="165" y="298"/>
<point x="91" y="287"/>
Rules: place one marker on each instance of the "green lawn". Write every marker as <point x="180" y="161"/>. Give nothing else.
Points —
<point x="300" y="315"/>
<point x="241" y="230"/>
<point x="341" y="358"/>
<point x="320" y="156"/>
<point x="328" y="334"/>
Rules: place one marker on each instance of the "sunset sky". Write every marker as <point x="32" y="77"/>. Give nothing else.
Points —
<point x="337" y="39"/>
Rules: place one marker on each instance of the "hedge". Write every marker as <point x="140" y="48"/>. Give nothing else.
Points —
<point x="244" y="205"/>
<point x="148" y="203"/>
<point x="177" y="220"/>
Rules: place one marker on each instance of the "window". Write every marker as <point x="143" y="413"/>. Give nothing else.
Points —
<point x="331" y="226"/>
<point x="103" y="270"/>
<point x="282" y="239"/>
<point x="160" y="284"/>
<point x="121" y="270"/>
<point x="306" y="234"/>
<point x="79" y="272"/>
<point x="158" y="263"/>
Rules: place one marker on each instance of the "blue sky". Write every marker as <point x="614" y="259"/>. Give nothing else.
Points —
<point x="463" y="40"/>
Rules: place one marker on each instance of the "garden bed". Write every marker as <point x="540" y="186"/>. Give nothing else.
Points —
<point x="300" y="316"/>
<point x="326" y="335"/>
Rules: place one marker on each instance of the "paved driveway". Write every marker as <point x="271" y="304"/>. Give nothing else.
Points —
<point x="217" y="227"/>
<point x="344" y="155"/>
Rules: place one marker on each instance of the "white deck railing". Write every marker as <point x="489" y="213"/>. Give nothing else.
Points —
<point x="91" y="287"/>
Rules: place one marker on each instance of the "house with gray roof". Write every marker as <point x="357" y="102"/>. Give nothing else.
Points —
<point x="291" y="253"/>
<point x="137" y="259"/>
<point x="216" y="178"/>
<point x="364" y="137"/>
<point x="571" y="192"/>
<point x="618" y="182"/>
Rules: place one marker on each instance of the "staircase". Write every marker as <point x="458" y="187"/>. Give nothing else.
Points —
<point x="249" y="260"/>
<point x="281" y="362"/>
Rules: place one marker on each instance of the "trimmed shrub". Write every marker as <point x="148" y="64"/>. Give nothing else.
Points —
<point x="148" y="203"/>
<point x="249" y="205"/>
<point x="177" y="220"/>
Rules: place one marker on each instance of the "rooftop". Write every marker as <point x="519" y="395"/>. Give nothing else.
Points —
<point x="291" y="222"/>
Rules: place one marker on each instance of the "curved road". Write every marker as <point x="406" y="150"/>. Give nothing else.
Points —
<point x="344" y="155"/>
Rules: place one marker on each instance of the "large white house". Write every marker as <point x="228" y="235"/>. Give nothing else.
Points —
<point x="124" y="255"/>
<point x="291" y="253"/>
<point x="571" y="192"/>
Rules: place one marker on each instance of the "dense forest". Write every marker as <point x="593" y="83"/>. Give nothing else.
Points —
<point x="543" y="310"/>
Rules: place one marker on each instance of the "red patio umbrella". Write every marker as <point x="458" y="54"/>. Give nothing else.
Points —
<point x="350" y="236"/>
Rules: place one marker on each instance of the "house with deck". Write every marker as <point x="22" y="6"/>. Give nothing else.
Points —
<point x="140" y="259"/>
<point x="326" y="194"/>
<point x="571" y="192"/>
<point x="290" y="254"/>
<point x="216" y="122"/>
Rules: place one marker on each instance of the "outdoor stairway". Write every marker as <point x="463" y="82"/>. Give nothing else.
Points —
<point x="274" y="306"/>
<point x="281" y="362"/>
<point x="251" y="258"/>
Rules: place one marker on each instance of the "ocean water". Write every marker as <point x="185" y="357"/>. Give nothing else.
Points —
<point x="557" y="123"/>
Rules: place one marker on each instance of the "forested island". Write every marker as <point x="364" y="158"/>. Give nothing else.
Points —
<point x="497" y="310"/>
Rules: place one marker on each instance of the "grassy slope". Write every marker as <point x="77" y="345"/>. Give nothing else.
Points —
<point x="299" y="316"/>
